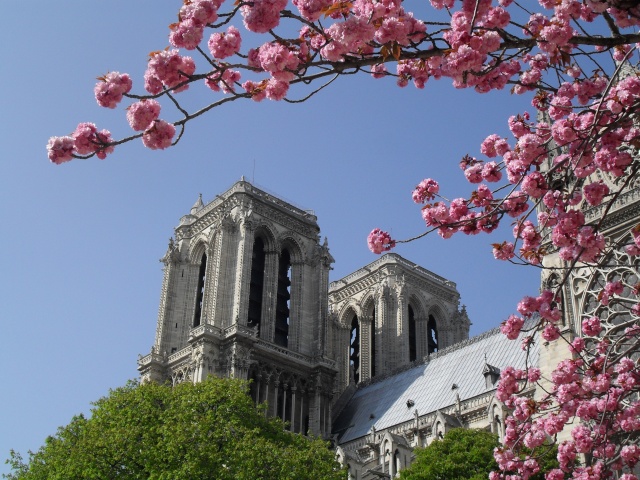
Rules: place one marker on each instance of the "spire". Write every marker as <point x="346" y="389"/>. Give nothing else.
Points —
<point x="197" y="206"/>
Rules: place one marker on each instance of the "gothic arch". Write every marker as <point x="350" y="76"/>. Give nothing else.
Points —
<point x="200" y="246"/>
<point x="294" y="247"/>
<point x="344" y="317"/>
<point x="265" y="232"/>
<point x="351" y="355"/>
<point x="368" y="304"/>
<point x="436" y="329"/>
<point x="418" y="305"/>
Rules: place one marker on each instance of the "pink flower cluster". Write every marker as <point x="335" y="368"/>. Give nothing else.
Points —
<point x="193" y="17"/>
<point x="159" y="135"/>
<point x="223" y="45"/>
<point x="142" y="113"/>
<point x="168" y="69"/>
<point x="260" y="16"/>
<point x="111" y="87"/>
<point x="380" y="241"/>
<point x="224" y="80"/>
<point x="426" y="190"/>
<point x="85" y="140"/>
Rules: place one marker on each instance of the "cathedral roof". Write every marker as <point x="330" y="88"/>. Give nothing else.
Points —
<point x="430" y="386"/>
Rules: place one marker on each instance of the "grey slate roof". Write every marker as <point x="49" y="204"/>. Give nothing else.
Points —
<point x="383" y="403"/>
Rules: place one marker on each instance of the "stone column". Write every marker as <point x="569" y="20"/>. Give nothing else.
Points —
<point x="293" y="408"/>
<point x="276" y="392"/>
<point x="284" y="402"/>
<point x="269" y="295"/>
<point x="243" y="271"/>
<point x="302" y="412"/>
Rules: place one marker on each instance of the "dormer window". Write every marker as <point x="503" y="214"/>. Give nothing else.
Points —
<point x="491" y="375"/>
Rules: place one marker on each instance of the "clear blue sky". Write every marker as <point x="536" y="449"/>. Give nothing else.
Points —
<point x="81" y="242"/>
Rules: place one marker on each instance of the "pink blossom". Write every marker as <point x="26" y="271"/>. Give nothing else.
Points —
<point x="60" y="149"/>
<point x="260" y="16"/>
<point x="111" y="87"/>
<point x="595" y="192"/>
<point x="311" y="9"/>
<point x="555" y="474"/>
<point x="503" y="251"/>
<point x="511" y="326"/>
<point x="577" y="345"/>
<point x="278" y="60"/>
<point x="591" y="326"/>
<point x="491" y="172"/>
<point x="474" y="173"/>
<point x="142" y="113"/>
<point x="582" y="438"/>
<point x="186" y="34"/>
<point x="223" y="45"/>
<point x="169" y="69"/>
<point x="379" y="70"/>
<point x="614" y="288"/>
<point x="88" y="140"/>
<point x="550" y="333"/>
<point x="256" y="90"/>
<point x="534" y="184"/>
<point x="276" y="89"/>
<point x="159" y="135"/>
<point x="225" y="80"/>
<point x="427" y="189"/>
<point x="201" y="12"/>
<point x="380" y="241"/>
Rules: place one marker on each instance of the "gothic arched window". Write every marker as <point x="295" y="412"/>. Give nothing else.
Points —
<point x="283" y="296"/>
<point x="354" y="348"/>
<point x="373" y="343"/>
<point x="202" y="273"/>
<point x="432" y="335"/>
<point x="412" y="335"/>
<point x="256" y="284"/>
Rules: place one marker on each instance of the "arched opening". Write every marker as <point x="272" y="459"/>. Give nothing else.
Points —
<point x="256" y="284"/>
<point x="202" y="273"/>
<point x="354" y="348"/>
<point x="283" y="297"/>
<point x="432" y="335"/>
<point x="373" y="342"/>
<point x="413" y="349"/>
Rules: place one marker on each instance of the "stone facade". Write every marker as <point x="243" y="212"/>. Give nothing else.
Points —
<point x="379" y="361"/>
<point x="390" y="313"/>
<point x="244" y="295"/>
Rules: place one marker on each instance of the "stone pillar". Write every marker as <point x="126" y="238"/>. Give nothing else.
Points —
<point x="266" y="394"/>
<point x="296" y="305"/>
<point x="224" y="255"/>
<point x="302" y="412"/>
<point x="284" y="402"/>
<point x="276" y="392"/>
<point x="293" y="408"/>
<point x="243" y="271"/>
<point x="269" y="295"/>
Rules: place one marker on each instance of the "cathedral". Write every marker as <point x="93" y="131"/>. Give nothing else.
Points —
<point x="380" y="361"/>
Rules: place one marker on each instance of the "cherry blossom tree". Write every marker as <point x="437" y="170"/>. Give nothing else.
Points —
<point x="575" y="155"/>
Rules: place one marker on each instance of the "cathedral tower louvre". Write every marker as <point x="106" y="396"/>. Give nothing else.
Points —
<point x="244" y="295"/>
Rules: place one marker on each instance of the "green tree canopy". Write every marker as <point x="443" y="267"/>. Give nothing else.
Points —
<point x="210" y="430"/>
<point x="463" y="454"/>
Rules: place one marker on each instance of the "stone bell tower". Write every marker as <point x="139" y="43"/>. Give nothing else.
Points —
<point x="244" y="295"/>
